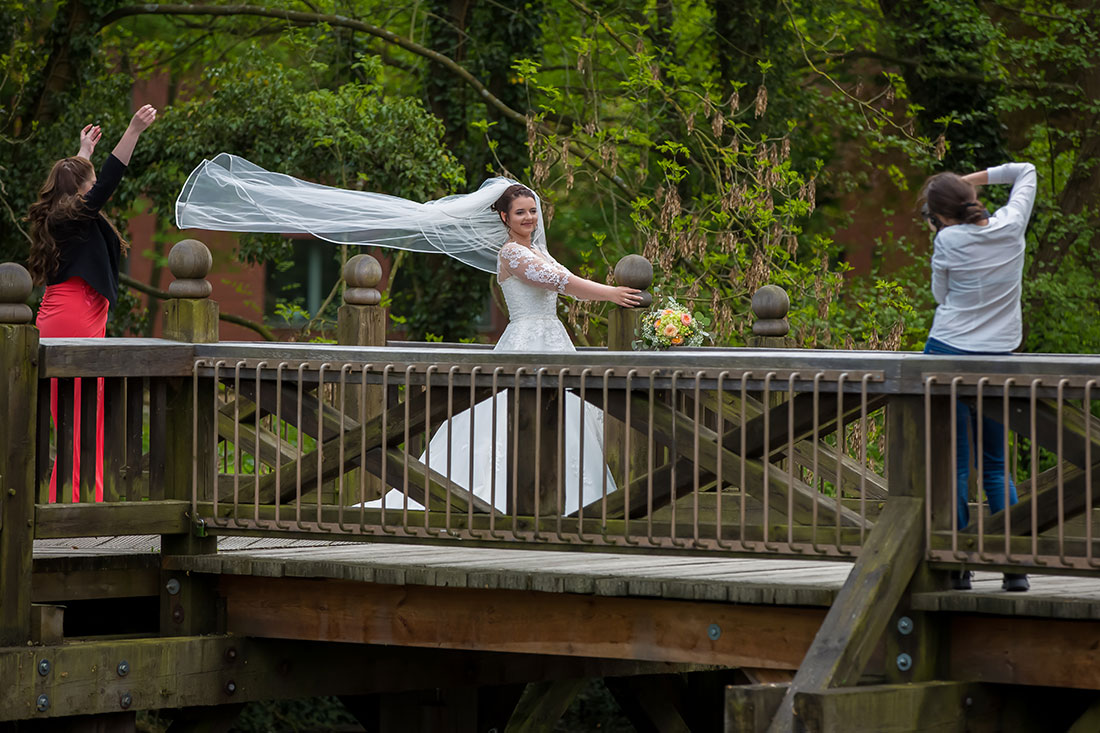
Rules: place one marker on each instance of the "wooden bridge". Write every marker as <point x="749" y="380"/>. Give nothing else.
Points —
<point x="770" y="550"/>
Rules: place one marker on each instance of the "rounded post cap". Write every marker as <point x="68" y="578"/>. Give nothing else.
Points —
<point x="634" y="271"/>
<point x="190" y="259"/>
<point x="362" y="271"/>
<point x="770" y="301"/>
<point x="15" y="288"/>
<point x="770" y="304"/>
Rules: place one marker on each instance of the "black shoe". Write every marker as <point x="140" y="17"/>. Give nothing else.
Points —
<point x="1015" y="582"/>
<point x="960" y="579"/>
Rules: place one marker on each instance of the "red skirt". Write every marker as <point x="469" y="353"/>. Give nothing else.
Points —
<point x="74" y="309"/>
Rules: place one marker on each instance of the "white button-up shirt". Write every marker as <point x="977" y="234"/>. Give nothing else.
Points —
<point x="976" y="271"/>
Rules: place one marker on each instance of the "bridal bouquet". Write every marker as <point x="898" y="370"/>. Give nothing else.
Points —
<point x="673" y="325"/>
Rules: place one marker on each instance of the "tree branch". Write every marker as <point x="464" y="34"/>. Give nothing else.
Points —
<point x="294" y="16"/>
<point x="141" y="287"/>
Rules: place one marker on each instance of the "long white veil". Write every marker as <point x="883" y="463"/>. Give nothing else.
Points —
<point x="231" y="194"/>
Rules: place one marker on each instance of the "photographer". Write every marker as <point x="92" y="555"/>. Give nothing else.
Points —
<point x="977" y="267"/>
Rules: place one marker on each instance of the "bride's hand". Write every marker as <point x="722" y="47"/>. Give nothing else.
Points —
<point x="626" y="297"/>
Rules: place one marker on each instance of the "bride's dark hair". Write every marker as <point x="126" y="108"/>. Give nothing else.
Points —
<point x="517" y="190"/>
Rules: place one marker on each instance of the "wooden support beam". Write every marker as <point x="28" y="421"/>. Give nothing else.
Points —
<point x="364" y="438"/>
<point x="1045" y="502"/>
<point x="271" y="448"/>
<point x="669" y="423"/>
<point x="501" y="620"/>
<point x="779" y="423"/>
<point x="109" y="520"/>
<point x="921" y="708"/>
<point x="1088" y="722"/>
<point x="140" y="357"/>
<point x="328" y="424"/>
<point x="863" y="607"/>
<point x="652" y="704"/>
<point x="440" y="490"/>
<point x="1024" y="651"/>
<point x="542" y="705"/>
<point x="886" y="564"/>
<point x="196" y="672"/>
<point x="65" y="578"/>
<point x="750" y="708"/>
<point x="47" y="623"/>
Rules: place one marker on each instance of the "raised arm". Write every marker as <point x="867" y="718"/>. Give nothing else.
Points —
<point x="138" y="124"/>
<point x="1024" y="182"/>
<point x="89" y="136"/>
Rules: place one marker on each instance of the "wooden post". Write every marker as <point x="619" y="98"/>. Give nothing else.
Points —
<point x="770" y="305"/>
<point x="881" y="576"/>
<point x="633" y="271"/>
<point x="18" y="404"/>
<point x="919" y="636"/>
<point x="361" y="321"/>
<point x="188" y="604"/>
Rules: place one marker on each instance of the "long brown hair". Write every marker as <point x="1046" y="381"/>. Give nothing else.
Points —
<point x="947" y="194"/>
<point x="59" y="200"/>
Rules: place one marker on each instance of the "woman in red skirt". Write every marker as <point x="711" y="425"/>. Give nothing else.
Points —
<point x="75" y="252"/>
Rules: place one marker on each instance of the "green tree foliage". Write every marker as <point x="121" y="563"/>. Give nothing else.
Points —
<point x="732" y="143"/>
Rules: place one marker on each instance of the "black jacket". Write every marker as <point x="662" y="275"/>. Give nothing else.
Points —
<point x="89" y="247"/>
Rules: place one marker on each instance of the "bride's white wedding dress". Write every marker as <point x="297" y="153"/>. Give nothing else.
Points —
<point x="531" y="281"/>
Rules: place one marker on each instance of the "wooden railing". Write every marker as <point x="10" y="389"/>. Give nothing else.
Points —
<point x="738" y="451"/>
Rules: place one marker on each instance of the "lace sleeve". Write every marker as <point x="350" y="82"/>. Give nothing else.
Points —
<point x="519" y="261"/>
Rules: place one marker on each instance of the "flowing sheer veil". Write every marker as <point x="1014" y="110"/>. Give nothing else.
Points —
<point x="231" y="194"/>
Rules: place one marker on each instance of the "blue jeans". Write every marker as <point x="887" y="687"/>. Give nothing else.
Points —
<point x="993" y="455"/>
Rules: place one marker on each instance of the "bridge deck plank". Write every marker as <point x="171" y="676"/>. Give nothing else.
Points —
<point x="738" y="580"/>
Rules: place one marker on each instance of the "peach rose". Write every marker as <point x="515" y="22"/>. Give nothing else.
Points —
<point x="666" y="311"/>
<point x="677" y="341"/>
<point x="670" y="330"/>
<point x="685" y="319"/>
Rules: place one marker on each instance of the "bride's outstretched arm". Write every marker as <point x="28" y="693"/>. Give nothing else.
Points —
<point x="519" y="261"/>
<point x="583" y="289"/>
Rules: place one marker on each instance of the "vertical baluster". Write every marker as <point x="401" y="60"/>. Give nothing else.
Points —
<point x="133" y="482"/>
<point x="65" y="440"/>
<point x="44" y="443"/>
<point x="158" y="437"/>
<point x="114" y="437"/>
<point x="89" y="436"/>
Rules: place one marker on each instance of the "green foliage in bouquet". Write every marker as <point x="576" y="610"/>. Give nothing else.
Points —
<point x="672" y="325"/>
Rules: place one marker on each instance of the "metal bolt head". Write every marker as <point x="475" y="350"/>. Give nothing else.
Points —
<point x="230" y="687"/>
<point x="123" y="668"/>
<point x="42" y="704"/>
<point x="125" y="701"/>
<point x="905" y="625"/>
<point x="177" y="614"/>
<point x="43" y="667"/>
<point x="231" y="654"/>
<point x="905" y="662"/>
<point x="172" y="586"/>
<point x="714" y="632"/>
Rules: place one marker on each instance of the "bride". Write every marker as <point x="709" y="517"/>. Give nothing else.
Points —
<point x="498" y="226"/>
